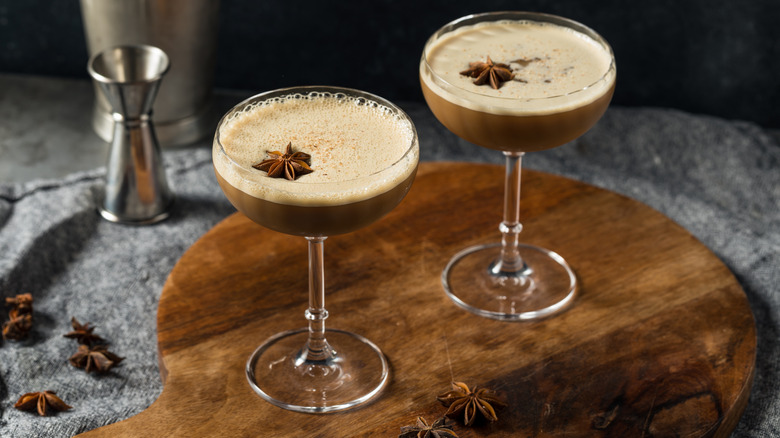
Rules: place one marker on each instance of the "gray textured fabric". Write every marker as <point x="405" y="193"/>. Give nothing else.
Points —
<point x="719" y="179"/>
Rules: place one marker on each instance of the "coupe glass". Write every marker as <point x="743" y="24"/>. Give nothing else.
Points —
<point x="315" y="369"/>
<point x="510" y="280"/>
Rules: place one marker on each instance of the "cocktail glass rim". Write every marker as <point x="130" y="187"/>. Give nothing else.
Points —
<point x="324" y="187"/>
<point x="511" y="102"/>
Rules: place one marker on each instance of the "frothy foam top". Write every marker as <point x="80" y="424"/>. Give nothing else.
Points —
<point x="355" y="146"/>
<point x="548" y="61"/>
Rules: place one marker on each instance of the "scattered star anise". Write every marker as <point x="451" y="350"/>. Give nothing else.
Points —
<point x="439" y="429"/>
<point x="467" y="403"/>
<point x="96" y="358"/>
<point x="42" y="401"/>
<point x="489" y="72"/>
<point x="18" y="326"/>
<point x="22" y="303"/>
<point x="82" y="333"/>
<point x="289" y="164"/>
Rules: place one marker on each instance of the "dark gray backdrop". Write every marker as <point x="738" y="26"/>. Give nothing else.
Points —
<point x="715" y="57"/>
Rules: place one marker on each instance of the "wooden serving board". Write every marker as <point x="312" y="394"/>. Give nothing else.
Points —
<point x="660" y="340"/>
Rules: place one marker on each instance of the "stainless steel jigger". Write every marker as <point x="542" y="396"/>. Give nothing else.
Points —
<point x="136" y="189"/>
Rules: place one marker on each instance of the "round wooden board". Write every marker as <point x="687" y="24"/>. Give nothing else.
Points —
<point x="660" y="340"/>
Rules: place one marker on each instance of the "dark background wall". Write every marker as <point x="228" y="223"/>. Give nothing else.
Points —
<point x="716" y="57"/>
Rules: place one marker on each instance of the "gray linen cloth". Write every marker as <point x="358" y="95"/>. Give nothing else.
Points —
<point x="719" y="179"/>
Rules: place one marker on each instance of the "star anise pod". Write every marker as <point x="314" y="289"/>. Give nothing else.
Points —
<point x="18" y="326"/>
<point x="466" y="403"/>
<point x="22" y="303"/>
<point x="289" y="164"/>
<point x="96" y="358"/>
<point x="489" y="72"/>
<point x="439" y="429"/>
<point x="42" y="401"/>
<point x="82" y="333"/>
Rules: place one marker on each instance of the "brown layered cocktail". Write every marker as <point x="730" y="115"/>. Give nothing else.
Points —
<point x="360" y="151"/>
<point x="516" y="82"/>
<point x="314" y="162"/>
<point x="563" y="80"/>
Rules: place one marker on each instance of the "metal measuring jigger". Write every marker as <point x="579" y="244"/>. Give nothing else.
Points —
<point x="136" y="189"/>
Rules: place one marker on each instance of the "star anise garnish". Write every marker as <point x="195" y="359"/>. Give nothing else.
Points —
<point x="82" y="333"/>
<point x="22" y="303"/>
<point x="18" y="326"/>
<point x="489" y="72"/>
<point x="96" y="358"/>
<point x="467" y="403"/>
<point x="42" y="401"/>
<point x="439" y="429"/>
<point x="289" y="164"/>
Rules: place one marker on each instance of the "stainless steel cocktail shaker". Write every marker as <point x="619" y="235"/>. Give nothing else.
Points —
<point x="187" y="31"/>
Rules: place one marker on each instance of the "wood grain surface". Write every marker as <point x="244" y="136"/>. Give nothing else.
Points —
<point x="660" y="340"/>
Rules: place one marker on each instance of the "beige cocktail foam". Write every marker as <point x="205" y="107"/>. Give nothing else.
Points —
<point x="354" y="145"/>
<point x="557" y="61"/>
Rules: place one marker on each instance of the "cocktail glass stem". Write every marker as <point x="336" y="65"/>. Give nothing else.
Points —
<point x="317" y="348"/>
<point x="299" y="370"/>
<point x="510" y="280"/>
<point x="510" y="263"/>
